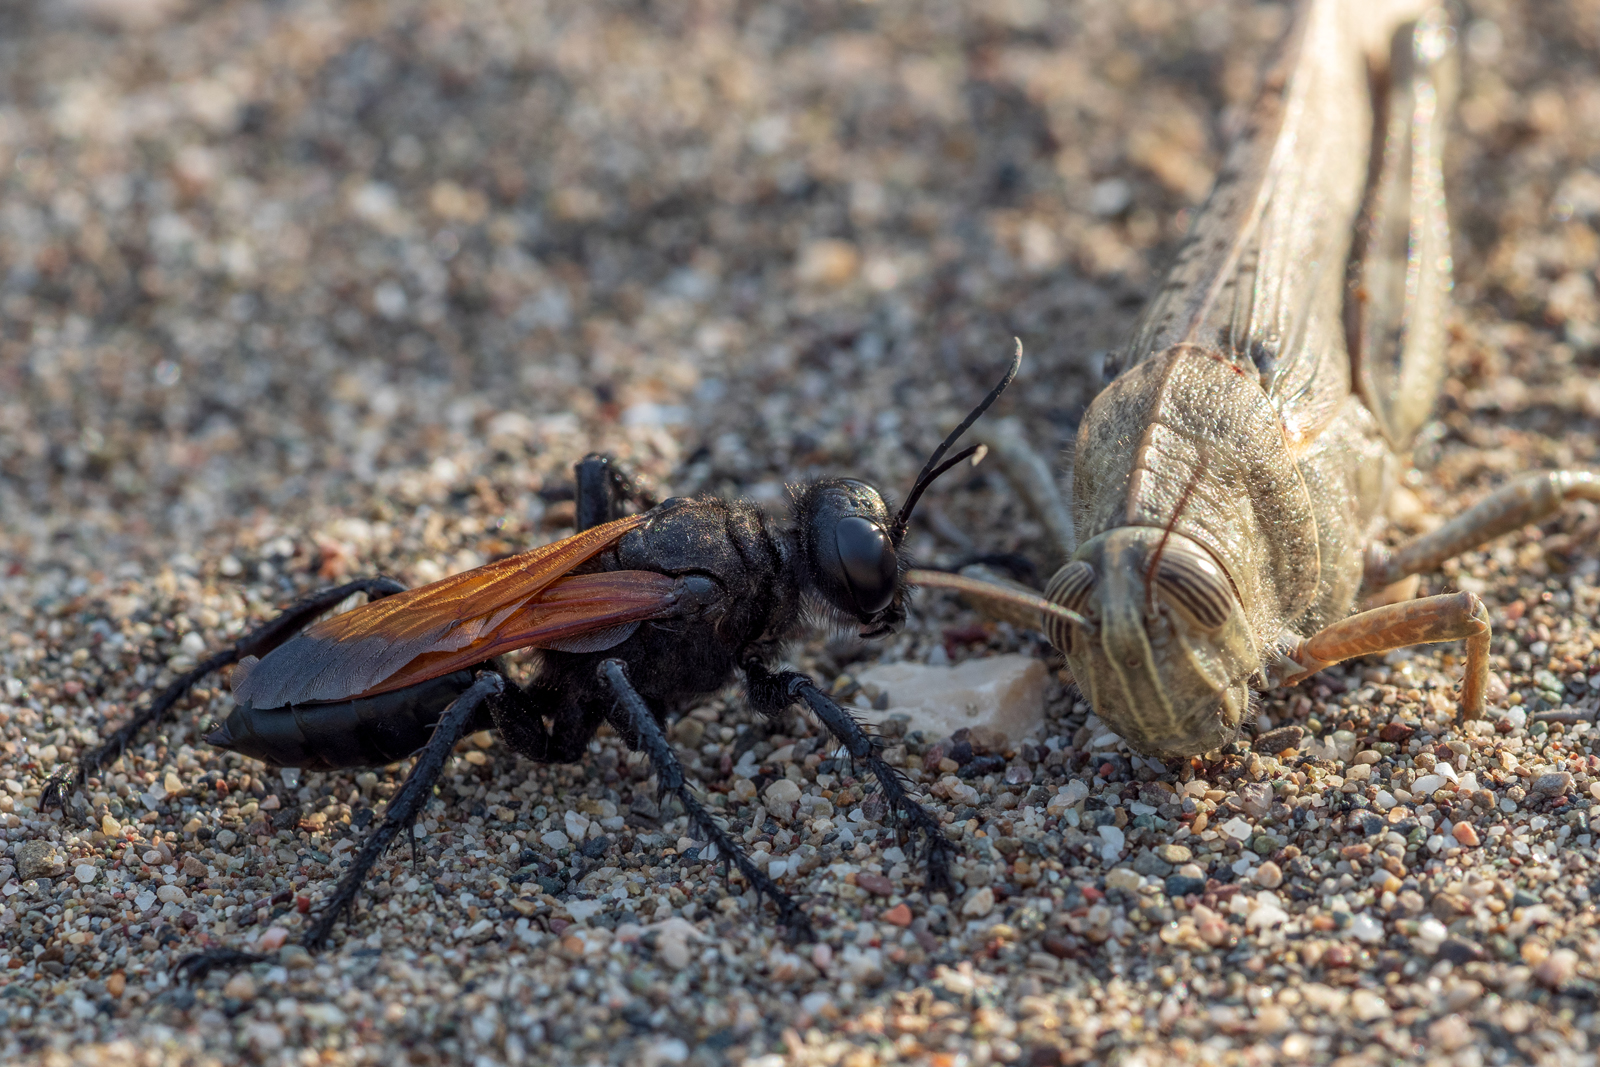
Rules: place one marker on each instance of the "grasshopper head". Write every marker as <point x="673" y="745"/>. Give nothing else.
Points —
<point x="1166" y="655"/>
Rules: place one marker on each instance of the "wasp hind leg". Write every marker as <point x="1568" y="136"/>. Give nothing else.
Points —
<point x="257" y="643"/>
<point x="771" y="693"/>
<point x="603" y="488"/>
<point x="401" y="814"/>
<point x="408" y="803"/>
<point x="638" y="726"/>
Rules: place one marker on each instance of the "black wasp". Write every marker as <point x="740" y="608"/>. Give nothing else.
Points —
<point x="635" y="616"/>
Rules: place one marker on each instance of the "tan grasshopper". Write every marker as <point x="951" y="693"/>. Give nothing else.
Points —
<point x="1229" y="482"/>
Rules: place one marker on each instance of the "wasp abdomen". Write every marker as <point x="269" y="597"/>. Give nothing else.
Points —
<point x="367" y="732"/>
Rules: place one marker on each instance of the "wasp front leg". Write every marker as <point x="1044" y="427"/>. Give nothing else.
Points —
<point x="771" y="692"/>
<point x="603" y="487"/>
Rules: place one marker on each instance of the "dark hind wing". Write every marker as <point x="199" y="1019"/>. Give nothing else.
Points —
<point x="582" y="613"/>
<point x="358" y="651"/>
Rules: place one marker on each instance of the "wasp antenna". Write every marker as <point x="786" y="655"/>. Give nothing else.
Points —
<point x="933" y="468"/>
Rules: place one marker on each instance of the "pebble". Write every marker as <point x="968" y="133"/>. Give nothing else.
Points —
<point x="241" y="986"/>
<point x="1269" y="875"/>
<point x="1368" y="1006"/>
<point x="1555" y="784"/>
<point x="85" y="872"/>
<point x="1179" y="885"/>
<point x="1115" y="841"/>
<point x="1266" y="914"/>
<point x="899" y="915"/>
<point x="272" y="939"/>
<point x="876" y="884"/>
<point x="39" y="859"/>
<point x="1236" y="828"/>
<point x="1450" y="1033"/>
<point x="1364" y="927"/>
<point x="1124" y="878"/>
<point x="782" y="799"/>
<point x="1556" y="969"/>
<point x="979" y="903"/>
<point x="1004" y="693"/>
<point x="1174" y="854"/>
<point x="674" y="952"/>
<point x="1465" y="833"/>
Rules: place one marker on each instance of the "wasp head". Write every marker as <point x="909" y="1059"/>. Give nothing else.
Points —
<point x="852" y="548"/>
<point x="849" y="555"/>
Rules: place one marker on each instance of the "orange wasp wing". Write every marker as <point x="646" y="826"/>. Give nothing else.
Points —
<point x="581" y="613"/>
<point x="359" y="651"/>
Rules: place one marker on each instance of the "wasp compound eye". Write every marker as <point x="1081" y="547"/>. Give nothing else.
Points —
<point x="867" y="559"/>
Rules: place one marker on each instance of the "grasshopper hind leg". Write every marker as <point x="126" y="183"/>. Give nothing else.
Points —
<point x="1526" y="500"/>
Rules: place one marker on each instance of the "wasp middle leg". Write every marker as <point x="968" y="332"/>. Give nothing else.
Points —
<point x="638" y="726"/>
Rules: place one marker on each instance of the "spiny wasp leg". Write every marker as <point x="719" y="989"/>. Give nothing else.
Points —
<point x="401" y="814"/>
<point x="407" y="804"/>
<point x="603" y="487"/>
<point x="771" y="693"/>
<point x="259" y="642"/>
<point x="633" y="719"/>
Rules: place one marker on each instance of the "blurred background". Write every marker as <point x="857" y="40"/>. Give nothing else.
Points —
<point x="271" y="265"/>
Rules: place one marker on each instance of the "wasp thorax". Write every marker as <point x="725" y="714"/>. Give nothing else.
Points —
<point x="1165" y="655"/>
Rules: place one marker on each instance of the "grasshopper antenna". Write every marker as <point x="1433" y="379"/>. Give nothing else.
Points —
<point x="933" y="468"/>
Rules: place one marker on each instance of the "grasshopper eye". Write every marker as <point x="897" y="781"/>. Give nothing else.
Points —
<point x="1196" y="587"/>
<point x="868" y="560"/>
<point x="1070" y="588"/>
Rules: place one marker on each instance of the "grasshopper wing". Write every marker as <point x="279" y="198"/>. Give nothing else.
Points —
<point x="526" y="600"/>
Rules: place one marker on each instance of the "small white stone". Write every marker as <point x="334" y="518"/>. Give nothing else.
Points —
<point x="1114" y="841"/>
<point x="555" y="839"/>
<point x="577" y="825"/>
<point x="1428" y="784"/>
<point x="145" y="901"/>
<point x="1368" y="1006"/>
<point x="86" y="872"/>
<point x="1364" y="927"/>
<point x="674" y="952"/>
<point x="979" y="904"/>
<point x="171" y="894"/>
<point x="1265" y="915"/>
<point x="584" y="910"/>
<point x="669" y="1050"/>
<point x="782" y="793"/>
<point x="1236" y="828"/>
<point x="1005" y="693"/>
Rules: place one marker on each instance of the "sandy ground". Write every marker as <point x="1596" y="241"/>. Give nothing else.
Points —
<point x="295" y="291"/>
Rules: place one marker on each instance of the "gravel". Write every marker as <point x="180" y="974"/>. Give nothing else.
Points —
<point x="299" y="291"/>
